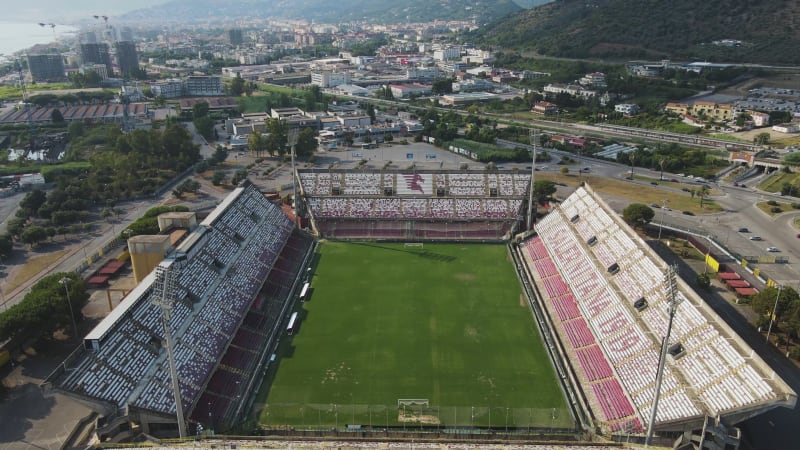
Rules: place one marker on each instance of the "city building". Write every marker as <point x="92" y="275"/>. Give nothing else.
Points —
<point x="571" y="89"/>
<point x="167" y="88"/>
<point x="545" y="108"/>
<point x="422" y="73"/>
<point x="197" y="86"/>
<point x="759" y="119"/>
<point x="712" y="110"/>
<point x="45" y="68"/>
<point x="96" y="53"/>
<point x="447" y="54"/>
<point x="127" y="58"/>
<point x="327" y="78"/>
<point x="467" y="98"/>
<point x="596" y="80"/>
<point x="409" y="90"/>
<point x="628" y="109"/>
<point x="235" y="36"/>
<point x="677" y="108"/>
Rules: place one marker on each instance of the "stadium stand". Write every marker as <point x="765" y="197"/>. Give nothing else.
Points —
<point x="615" y="335"/>
<point x="422" y="205"/>
<point x="241" y="265"/>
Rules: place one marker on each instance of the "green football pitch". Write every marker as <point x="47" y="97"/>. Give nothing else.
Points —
<point x="447" y="324"/>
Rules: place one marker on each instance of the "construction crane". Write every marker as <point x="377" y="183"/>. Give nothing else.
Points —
<point x="51" y="25"/>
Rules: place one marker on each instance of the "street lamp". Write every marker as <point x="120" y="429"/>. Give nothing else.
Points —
<point x="65" y="282"/>
<point x="774" y="308"/>
<point x="663" y="211"/>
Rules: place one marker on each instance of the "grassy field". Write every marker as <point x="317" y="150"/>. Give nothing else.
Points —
<point x="775" y="182"/>
<point x="447" y="323"/>
<point x="679" y="201"/>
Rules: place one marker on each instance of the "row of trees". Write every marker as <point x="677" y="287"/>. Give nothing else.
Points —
<point x="275" y="141"/>
<point x="121" y="166"/>
<point x="783" y="307"/>
<point x="48" y="306"/>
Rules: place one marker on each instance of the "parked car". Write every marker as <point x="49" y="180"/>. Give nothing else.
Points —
<point x="772" y="249"/>
<point x="755" y="238"/>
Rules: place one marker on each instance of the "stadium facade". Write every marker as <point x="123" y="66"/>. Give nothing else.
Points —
<point x="414" y="205"/>
<point x="604" y="295"/>
<point x="595" y="287"/>
<point x="238" y="270"/>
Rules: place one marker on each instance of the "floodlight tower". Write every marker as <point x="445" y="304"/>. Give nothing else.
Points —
<point x="164" y="297"/>
<point x="671" y="285"/>
<point x="292" y="137"/>
<point x="534" y="136"/>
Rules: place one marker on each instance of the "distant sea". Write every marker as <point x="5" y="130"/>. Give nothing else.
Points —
<point x="20" y="36"/>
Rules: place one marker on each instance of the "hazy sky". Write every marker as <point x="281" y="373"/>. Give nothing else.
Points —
<point x="62" y="11"/>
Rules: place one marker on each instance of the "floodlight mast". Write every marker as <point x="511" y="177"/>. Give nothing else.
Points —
<point x="671" y="284"/>
<point x="292" y="137"/>
<point x="166" y="277"/>
<point x="534" y="135"/>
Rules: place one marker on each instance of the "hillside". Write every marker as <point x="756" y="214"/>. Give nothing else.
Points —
<point x="376" y="11"/>
<point x="685" y="29"/>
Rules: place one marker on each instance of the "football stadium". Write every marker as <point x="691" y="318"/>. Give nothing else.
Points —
<point x="415" y="301"/>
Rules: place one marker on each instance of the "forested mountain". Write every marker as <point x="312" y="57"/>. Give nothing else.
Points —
<point x="769" y="30"/>
<point x="531" y="3"/>
<point x="377" y="11"/>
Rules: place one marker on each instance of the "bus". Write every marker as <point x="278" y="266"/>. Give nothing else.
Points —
<point x="304" y="292"/>
<point x="290" y="327"/>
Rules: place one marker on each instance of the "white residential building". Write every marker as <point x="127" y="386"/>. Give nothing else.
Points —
<point x="328" y="78"/>
<point x="422" y="73"/>
<point x="447" y="53"/>
<point x="197" y="86"/>
<point x="570" y="89"/>
<point x="167" y="88"/>
<point x="628" y="109"/>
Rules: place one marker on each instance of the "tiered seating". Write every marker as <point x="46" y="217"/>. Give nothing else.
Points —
<point x="497" y="209"/>
<point x="441" y="208"/>
<point x="719" y="375"/>
<point x="414" y="207"/>
<point x="209" y="305"/>
<point x="468" y="184"/>
<point x="387" y="208"/>
<point x="505" y="184"/>
<point x="467" y="208"/>
<point x="592" y="359"/>
<point x="362" y="184"/>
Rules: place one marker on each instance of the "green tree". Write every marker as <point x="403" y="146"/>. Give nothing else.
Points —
<point x="702" y="193"/>
<point x="275" y="141"/>
<point x="205" y="126"/>
<point x="33" y="201"/>
<point x="45" y="308"/>
<point x="761" y="139"/>
<point x="56" y="116"/>
<point x="442" y="86"/>
<point x="543" y="189"/>
<point x="6" y="246"/>
<point x="33" y="235"/>
<point x="75" y="129"/>
<point x="218" y="178"/>
<point x="237" y="86"/>
<point x="703" y="280"/>
<point x="200" y="109"/>
<point x="637" y="214"/>
<point x="255" y="143"/>
<point x="306" y="143"/>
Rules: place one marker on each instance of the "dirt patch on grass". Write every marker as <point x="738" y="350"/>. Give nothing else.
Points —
<point x="30" y="269"/>
<point x="465" y="276"/>
<point x="410" y="417"/>
<point x="522" y="301"/>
